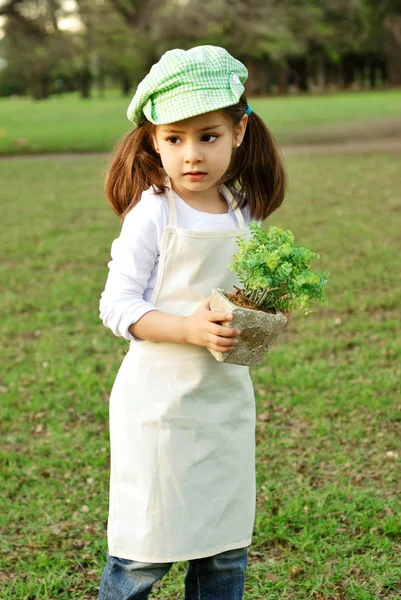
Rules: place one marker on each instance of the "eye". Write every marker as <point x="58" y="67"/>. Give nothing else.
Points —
<point x="174" y="140"/>
<point x="209" y="137"/>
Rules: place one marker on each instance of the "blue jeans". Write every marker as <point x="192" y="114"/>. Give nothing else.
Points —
<point x="219" y="577"/>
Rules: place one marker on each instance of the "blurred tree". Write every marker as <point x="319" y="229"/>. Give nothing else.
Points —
<point x="106" y="46"/>
<point x="41" y="58"/>
<point x="339" y="42"/>
<point x="294" y="44"/>
<point x="258" y="32"/>
<point x="34" y="46"/>
<point x="385" y="22"/>
<point x="140" y="16"/>
<point x="356" y="46"/>
<point x="356" y="40"/>
<point x="300" y="42"/>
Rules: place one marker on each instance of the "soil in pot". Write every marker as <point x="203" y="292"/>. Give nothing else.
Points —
<point x="239" y="299"/>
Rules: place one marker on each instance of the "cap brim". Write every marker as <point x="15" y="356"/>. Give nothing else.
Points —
<point x="189" y="105"/>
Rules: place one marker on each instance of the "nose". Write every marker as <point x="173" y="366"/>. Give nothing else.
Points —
<point x="193" y="152"/>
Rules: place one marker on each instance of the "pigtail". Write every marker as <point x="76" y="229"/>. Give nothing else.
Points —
<point x="257" y="166"/>
<point x="134" y="167"/>
<point x="262" y="172"/>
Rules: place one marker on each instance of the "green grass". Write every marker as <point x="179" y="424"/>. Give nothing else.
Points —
<point x="67" y="123"/>
<point x="328" y="523"/>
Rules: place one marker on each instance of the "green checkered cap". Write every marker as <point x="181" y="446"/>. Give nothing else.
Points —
<point x="186" y="83"/>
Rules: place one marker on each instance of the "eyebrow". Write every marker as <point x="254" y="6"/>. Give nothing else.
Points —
<point x="203" y="129"/>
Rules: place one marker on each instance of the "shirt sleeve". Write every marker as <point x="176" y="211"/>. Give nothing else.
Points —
<point x="135" y="255"/>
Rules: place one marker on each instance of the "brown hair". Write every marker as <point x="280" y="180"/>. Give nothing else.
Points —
<point x="256" y="169"/>
<point x="134" y="167"/>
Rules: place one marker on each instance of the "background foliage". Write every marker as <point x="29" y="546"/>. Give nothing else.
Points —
<point x="52" y="46"/>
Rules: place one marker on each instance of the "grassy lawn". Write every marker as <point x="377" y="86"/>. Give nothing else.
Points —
<point x="67" y="123"/>
<point x="328" y="523"/>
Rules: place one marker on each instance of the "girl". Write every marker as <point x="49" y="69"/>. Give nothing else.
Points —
<point x="186" y="181"/>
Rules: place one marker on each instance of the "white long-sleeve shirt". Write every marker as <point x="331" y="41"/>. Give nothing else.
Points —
<point x="135" y="256"/>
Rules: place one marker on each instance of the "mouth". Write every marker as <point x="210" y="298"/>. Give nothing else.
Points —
<point x="195" y="175"/>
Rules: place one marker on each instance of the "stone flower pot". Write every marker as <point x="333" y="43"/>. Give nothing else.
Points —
<point x="259" y="331"/>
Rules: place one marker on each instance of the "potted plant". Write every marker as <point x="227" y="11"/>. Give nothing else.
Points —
<point x="276" y="278"/>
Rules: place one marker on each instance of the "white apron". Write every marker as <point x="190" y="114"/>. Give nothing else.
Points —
<point x="182" y="425"/>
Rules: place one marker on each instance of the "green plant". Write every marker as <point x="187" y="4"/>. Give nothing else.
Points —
<point x="275" y="274"/>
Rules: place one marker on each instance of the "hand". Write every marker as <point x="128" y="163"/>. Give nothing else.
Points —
<point x="288" y="315"/>
<point x="202" y="328"/>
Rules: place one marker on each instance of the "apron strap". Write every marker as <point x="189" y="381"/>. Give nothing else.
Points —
<point x="171" y="201"/>
<point x="233" y="204"/>
<point x="173" y="212"/>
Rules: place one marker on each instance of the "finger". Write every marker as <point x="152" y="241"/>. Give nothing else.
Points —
<point x="219" y="317"/>
<point x="222" y="349"/>
<point x="222" y="341"/>
<point x="288" y="315"/>
<point x="221" y="331"/>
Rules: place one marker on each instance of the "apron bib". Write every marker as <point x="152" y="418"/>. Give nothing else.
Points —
<point x="182" y="425"/>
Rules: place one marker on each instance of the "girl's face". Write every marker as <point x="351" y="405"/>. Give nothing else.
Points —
<point x="196" y="152"/>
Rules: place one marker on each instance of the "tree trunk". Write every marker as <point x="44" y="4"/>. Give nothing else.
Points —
<point x="101" y="84"/>
<point x="392" y="24"/>
<point x="347" y="72"/>
<point x="334" y="78"/>
<point x="297" y="77"/>
<point x="282" y="77"/>
<point x="257" y="83"/>
<point x="40" y="88"/>
<point x="372" y="74"/>
<point x="303" y="75"/>
<point x="125" y="85"/>
<point x="85" y="82"/>
<point x="320" y="67"/>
